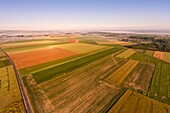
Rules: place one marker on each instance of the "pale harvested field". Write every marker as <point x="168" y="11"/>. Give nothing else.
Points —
<point x="166" y="56"/>
<point x="30" y="43"/>
<point x="28" y="59"/>
<point x="150" y="53"/>
<point x="120" y="74"/>
<point x="126" y="53"/>
<point x="116" y="42"/>
<point x="75" y="47"/>
<point x="81" y="91"/>
<point x="10" y="100"/>
<point x="132" y="102"/>
<point x="81" y="48"/>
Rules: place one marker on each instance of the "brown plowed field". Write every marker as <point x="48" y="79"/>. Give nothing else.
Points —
<point x="158" y="54"/>
<point x="28" y="59"/>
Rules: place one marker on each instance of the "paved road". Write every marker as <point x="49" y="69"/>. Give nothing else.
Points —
<point x="24" y="95"/>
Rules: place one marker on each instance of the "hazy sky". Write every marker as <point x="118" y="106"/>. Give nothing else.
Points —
<point x="84" y="14"/>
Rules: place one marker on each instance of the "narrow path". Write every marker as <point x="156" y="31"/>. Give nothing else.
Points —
<point x="24" y="95"/>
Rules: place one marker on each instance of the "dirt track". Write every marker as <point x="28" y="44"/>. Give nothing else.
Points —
<point x="24" y="95"/>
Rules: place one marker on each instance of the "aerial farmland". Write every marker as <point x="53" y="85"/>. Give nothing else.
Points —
<point x="88" y="75"/>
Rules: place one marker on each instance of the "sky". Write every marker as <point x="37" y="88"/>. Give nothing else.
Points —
<point x="84" y="14"/>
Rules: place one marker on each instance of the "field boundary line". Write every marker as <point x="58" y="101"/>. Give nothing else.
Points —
<point x="23" y="92"/>
<point x="104" y="49"/>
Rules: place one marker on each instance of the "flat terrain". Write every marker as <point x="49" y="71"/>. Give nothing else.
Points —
<point x="115" y="42"/>
<point x="140" y="77"/>
<point x="27" y="43"/>
<point x="28" y="59"/>
<point x="75" y="47"/>
<point x="126" y="53"/>
<point x="120" y="74"/>
<point x="10" y="97"/>
<point x="132" y="102"/>
<point x="85" y="77"/>
<point x="162" y="55"/>
<point x="81" y="90"/>
<point x="80" y="47"/>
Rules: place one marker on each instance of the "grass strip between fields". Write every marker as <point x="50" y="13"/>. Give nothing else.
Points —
<point x="47" y="74"/>
<point x="40" y="67"/>
<point x="4" y="63"/>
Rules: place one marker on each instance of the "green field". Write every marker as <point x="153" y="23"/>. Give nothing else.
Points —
<point x="73" y="64"/>
<point x="99" y="79"/>
<point x="160" y="84"/>
<point x="160" y="87"/>
<point x="80" y="90"/>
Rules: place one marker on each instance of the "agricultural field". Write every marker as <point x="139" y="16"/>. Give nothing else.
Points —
<point x="10" y="97"/>
<point x="46" y="74"/>
<point x="24" y="60"/>
<point x="149" y="52"/>
<point x="4" y="62"/>
<point x="81" y="90"/>
<point x="27" y="43"/>
<point x="120" y="74"/>
<point x="80" y="47"/>
<point x="158" y="54"/>
<point x="140" y="77"/>
<point x="51" y="53"/>
<point x="75" y="47"/>
<point x="160" y="87"/>
<point x="115" y="42"/>
<point x="2" y="55"/>
<point x="162" y="55"/>
<point x="85" y="76"/>
<point x="132" y="102"/>
<point x="126" y="53"/>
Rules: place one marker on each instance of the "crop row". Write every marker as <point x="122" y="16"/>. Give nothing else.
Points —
<point x="160" y="87"/>
<point x="68" y="66"/>
<point x="120" y="74"/>
<point x="132" y="102"/>
<point x="9" y="90"/>
<point x="126" y="53"/>
<point x="80" y="90"/>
